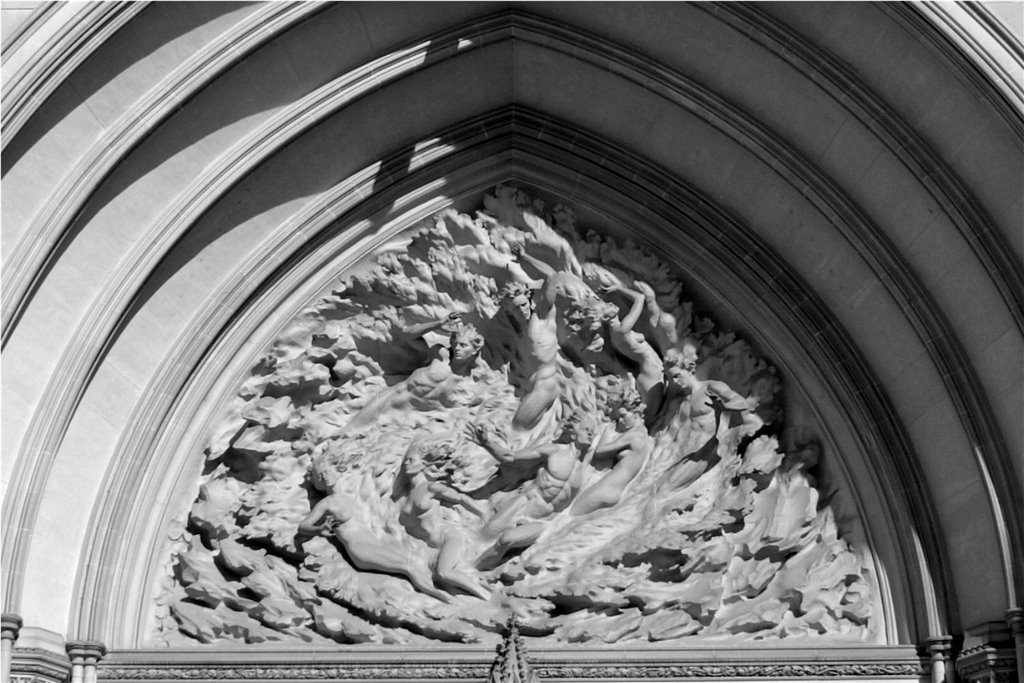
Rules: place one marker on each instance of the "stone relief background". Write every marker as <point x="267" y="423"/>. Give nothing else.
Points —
<point x="498" y="413"/>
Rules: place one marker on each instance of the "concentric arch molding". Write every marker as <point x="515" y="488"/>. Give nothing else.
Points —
<point x="31" y="251"/>
<point x="854" y="663"/>
<point x="944" y="339"/>
<point x="68" y="43"/>
<point x="109" y="591"/>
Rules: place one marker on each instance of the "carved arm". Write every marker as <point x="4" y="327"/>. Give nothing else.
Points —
<point x="449" y="494"/>
<point x="631" y="318"/>
<point x="731" y="399"/>
<point x="419" y="329"/>
<point x="318" y="520"/>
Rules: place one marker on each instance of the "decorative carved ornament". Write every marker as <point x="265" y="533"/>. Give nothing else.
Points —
<point x="397" y="672"/>
<point x="38" y="666"/>
<point x="511" y="664"/>
<point x="496" y="413"/>
<point x="985" y="663"/>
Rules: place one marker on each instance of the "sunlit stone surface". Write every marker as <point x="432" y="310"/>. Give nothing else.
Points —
<point x="504" y="412"/>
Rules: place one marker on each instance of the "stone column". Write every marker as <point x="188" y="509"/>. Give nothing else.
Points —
<point x="1015" y="618"/>
<point x="84" y="655"/>
<point x="939" y="650"/>
<point x="10" y="624"/>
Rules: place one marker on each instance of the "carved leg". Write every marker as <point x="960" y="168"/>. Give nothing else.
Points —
<point x="371" y="554"/>
<point x="446" y="568"/>
<point x="605" y="493"/>
<point x="542" y="394"/>
<point x="519" y="537"/>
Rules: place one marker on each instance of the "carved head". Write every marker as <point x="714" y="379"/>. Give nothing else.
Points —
<point x="593" y="310"/>
<point x="328" y="468"/>
<point x="517" y="297"/>
<point x="624" y="404"/>
<point x="579" y="426"/>
<point x="680" y="366"/>
<point x="466" y="342"/>
<point x="439" y="461"/>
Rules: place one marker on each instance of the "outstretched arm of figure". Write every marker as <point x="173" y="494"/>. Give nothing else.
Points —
<point x="449" y="494"/>
<point x="731" y="400"/>
<point x="662" y="323"/>
<point x="619" y="443"/>
<point x="631" y="318"/>
<point x="544" y="269"/>
<point x="501" y="452"/>
<point x="419" y="329"/>
<point x="314" y="522"/>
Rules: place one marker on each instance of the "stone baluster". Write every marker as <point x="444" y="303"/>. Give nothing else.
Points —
<point x="10" y="625"/>
<point x="85" y="655"/>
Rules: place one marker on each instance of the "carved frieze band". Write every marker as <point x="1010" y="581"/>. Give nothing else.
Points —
<point x="399" y="671"/>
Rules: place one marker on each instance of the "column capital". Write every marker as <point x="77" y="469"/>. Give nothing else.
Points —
<point x="1015" y="618"/>
<point x="939" y="644"/>
<point x="10" y="625"/>
<point x="83" y="650"/>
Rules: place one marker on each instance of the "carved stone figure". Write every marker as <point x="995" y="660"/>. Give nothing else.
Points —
<point x="630" y="446"/>
<point x="429" y="511"/>
<point x="500" y="410"/>
<point x="519" y="516"/>
<point x="433" y="385"/>
<point x="333" y="516"/>
<point x="634" y="346"/>
<point x="542" y="333"/>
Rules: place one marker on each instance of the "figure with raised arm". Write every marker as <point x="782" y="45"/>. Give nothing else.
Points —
<point x="630" y="446"/>
<point x="433" y="475"/>
<point x="661" y="322"/>
<point x="543" y="388"/>
<point x="634" y="346"/>
<point x="519" y="515"/>
<point x="699" y="405"/>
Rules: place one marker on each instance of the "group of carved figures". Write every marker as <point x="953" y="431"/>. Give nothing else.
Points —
<point x="579" y="467"/>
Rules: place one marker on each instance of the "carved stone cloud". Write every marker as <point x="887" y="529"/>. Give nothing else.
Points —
<point x="496" y="414"/>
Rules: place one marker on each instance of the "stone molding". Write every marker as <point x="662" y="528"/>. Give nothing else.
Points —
<point x="10" y="625"/>
<point x="365" y="665"/>
<point x="842" y="83"/>
<point x="974" y="44"/>
<point x="1015" y="620"/>
<point x="297" y="118"/>
<point x="85" y="650"/>
<point x="987" y="664"/>
<point x="976" y="227"/>
<point x="680" y="204"/>
<point x="37" y="17"/>
<point x="31" y="252"/>
<point x="136" y="124"/>
<point x="36" y="665"/>
<point x="57" y="407"/>
<point x="939" y="649"/>
<point x="989" y="654"/>
<point x="69" y="44"/>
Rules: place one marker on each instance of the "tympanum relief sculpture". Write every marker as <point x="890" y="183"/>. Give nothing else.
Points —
<point x="500" y="415"/>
